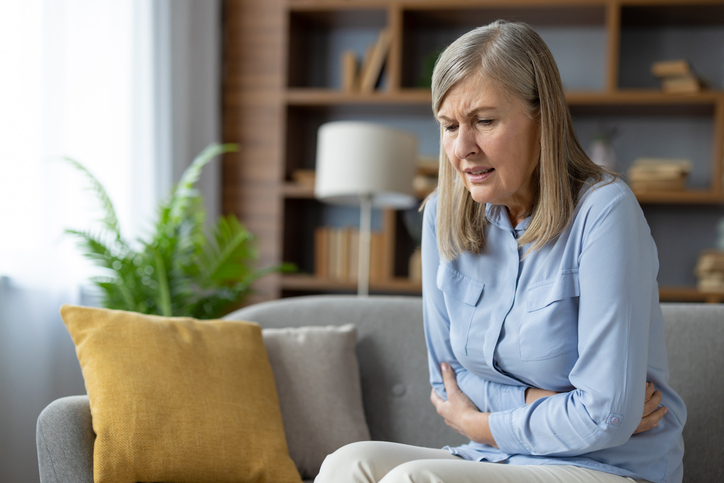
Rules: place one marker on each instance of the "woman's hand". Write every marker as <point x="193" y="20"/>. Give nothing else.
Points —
<point x="459" y="412"/>
<point x="652" y="415"/>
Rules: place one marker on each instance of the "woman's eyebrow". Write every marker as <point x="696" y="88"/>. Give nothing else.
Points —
<point x="471" y="113"/>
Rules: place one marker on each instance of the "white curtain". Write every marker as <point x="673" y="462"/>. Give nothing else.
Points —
<point x="98" y="81"/>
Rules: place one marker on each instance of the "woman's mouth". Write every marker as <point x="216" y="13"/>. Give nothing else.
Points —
<point x="478" y="175"/>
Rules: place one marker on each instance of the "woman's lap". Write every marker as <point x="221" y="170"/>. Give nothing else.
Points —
<point x="383" y="462"/>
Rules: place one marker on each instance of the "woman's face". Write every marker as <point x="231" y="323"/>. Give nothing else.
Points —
<point x="492" y="143"/>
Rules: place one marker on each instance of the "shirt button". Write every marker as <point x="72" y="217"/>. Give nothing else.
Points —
<point x="614" y="420"/>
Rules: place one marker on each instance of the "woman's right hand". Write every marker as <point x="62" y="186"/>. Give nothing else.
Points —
<point x="652" y="412"/>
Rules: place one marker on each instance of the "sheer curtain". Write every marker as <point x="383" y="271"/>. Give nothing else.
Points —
<point x="111" y="84"/>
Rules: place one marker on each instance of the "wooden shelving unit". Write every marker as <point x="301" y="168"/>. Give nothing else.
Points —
<point x="288" y="98"/>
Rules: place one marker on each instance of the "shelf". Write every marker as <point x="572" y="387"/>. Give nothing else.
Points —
<point x="689" y="294"/>
<point x="325" y="97"/>
<point x="463" y="13"/>
<point x="313" y="284"/>
<point x="680" y="197"/>
<point x="702" y="102"/>
<point x="401" y="285"/>
<point x="612" y="42"/>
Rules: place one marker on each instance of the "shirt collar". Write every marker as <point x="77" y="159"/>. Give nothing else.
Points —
<point x="498" y="216"/>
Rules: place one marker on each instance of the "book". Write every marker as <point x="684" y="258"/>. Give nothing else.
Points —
<point x="304" y="177"/>
<point x="657" y="185"/>
<point x="662" y="173"/>
<point x="710" y="285"/>
<point x="321" y="252"/>
<point x="336" y="255"/>
<point x="681" y="84"/>
<point x="372" y="67"/>
<point x="710" y="261"/>
<point x="350" y="71"/>
<point x="671" y="68"/>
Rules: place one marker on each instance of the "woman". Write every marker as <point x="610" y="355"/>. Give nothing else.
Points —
<point x="541" y="307"/>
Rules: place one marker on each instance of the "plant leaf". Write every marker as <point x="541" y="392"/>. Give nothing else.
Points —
<point x="110" y="220"/>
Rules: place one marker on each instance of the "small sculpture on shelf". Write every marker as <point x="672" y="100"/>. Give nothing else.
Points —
<point x="601" y="149"/>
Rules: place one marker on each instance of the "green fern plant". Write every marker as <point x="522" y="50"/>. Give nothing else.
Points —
<point x="178" y="270"/>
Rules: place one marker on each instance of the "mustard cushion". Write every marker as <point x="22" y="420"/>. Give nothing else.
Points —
<point x="179" y="400"/>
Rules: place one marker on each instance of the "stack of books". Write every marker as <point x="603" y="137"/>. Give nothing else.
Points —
<point x="336" y="254"/>
<point x="364" y="76"/>
<point x="677" y="77"/>
<point x="710" y="271"/>
<point x="656" y="174"/>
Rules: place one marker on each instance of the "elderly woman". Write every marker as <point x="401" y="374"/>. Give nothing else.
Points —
<point x="541" y="307"/>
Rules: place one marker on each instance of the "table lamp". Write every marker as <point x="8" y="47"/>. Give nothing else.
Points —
<point x="365" y="164"/>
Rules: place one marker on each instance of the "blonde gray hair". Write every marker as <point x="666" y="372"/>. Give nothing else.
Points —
<point x="515" y="59"/>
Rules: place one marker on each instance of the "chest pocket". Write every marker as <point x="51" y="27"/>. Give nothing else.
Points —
<point x="550" y="325"/>
<point x="462" y="295"/>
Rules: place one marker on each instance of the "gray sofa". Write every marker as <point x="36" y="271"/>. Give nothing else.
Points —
<point x="393" y="370"/>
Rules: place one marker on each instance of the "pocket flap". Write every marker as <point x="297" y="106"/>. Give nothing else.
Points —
<point x="458" y="286"/>
<point x="545" y="293"/>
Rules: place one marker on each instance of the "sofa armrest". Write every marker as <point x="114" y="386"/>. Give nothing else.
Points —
<point x="65" y="437"/>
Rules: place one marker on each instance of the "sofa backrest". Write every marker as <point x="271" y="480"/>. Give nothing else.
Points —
<point x="394" y="372"/>
<point x="694" y="343"/>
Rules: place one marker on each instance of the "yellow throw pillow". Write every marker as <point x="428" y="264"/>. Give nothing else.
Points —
<point x="178" y="399"/>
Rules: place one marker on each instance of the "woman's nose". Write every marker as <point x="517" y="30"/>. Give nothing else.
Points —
<point x="466" y="145"/>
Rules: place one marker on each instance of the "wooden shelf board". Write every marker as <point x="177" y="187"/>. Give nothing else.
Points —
<point x="456" y="13"/>
<point x="404" y="286"/>
<point x="627" y="97"/>
<point x="322" y="97"/>
<point x="312" y="283"/>
<point x="688" y="294"/>
<point x="679" y="197"/>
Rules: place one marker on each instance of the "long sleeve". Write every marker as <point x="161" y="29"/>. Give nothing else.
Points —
<point x="617" y="267"/>
<point x="487" y="396"/>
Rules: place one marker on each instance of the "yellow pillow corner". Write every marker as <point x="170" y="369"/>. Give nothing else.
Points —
<point x="179" y="399"/>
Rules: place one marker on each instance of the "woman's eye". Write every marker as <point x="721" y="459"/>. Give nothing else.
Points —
<point x="450" y="128"/>
<point x="485" y="122"/>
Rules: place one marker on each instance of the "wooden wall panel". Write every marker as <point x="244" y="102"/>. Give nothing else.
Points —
<point x="253" y="117"/>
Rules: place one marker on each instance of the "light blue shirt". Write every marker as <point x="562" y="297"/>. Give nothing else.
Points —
<point x="580" y="316"/>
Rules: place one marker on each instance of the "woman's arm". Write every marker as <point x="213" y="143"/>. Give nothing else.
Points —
<point x="464" y="417"/>
<point x="485" y="395"/>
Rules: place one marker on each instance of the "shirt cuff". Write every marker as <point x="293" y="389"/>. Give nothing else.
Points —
<point x="503" y="431"/>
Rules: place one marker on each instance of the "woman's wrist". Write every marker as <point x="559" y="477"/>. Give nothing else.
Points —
<point x="478" y="429"/>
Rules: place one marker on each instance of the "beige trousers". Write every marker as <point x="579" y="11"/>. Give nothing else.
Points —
<point x="382" y="462"/>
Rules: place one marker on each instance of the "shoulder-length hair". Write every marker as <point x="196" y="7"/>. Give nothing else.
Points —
<point x="515" y="58"/>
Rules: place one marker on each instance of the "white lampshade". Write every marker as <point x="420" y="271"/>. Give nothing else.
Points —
<point x="359" y="159"/>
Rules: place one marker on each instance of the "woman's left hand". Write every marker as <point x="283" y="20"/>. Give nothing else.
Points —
<point x="459" y="412"/>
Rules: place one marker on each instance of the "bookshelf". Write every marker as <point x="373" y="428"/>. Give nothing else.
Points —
<point x="283" y="73"/>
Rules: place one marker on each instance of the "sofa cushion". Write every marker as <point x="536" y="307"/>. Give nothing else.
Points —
<point x="177" y="399"/>
<point x="317" y="378"/>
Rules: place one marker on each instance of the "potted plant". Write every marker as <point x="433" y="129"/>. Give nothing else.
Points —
<point x="178" y="270"/>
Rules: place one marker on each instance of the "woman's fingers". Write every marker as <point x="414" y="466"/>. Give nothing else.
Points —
<point x="652" y="403"/>
<point x="650" y="389"/>
<point x="652" y="420"/>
